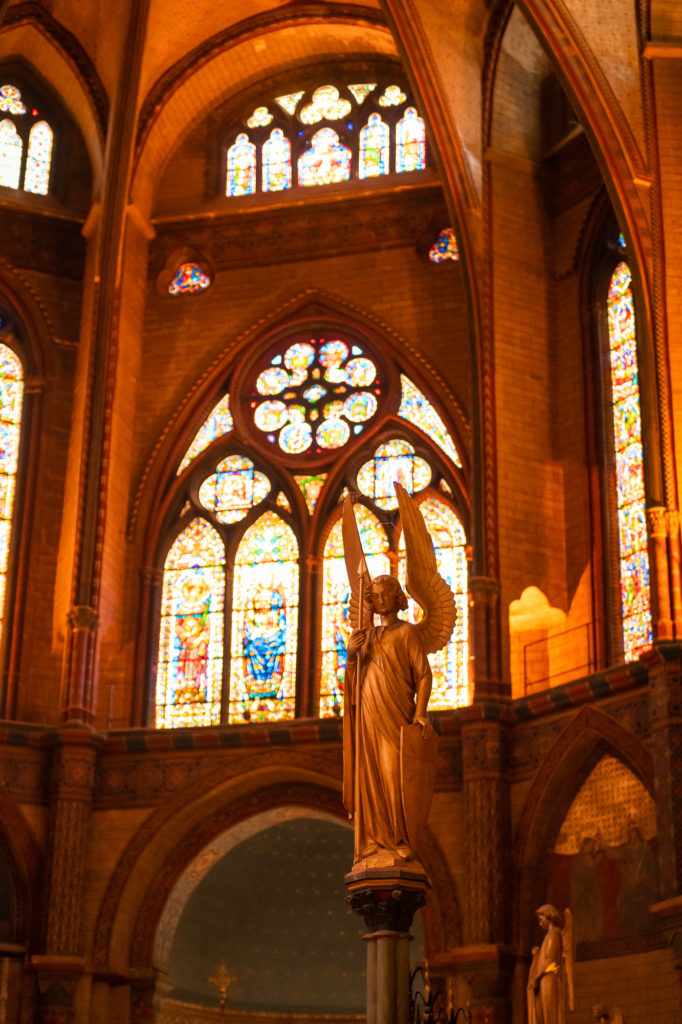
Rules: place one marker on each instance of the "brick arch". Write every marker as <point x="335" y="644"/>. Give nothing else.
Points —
<point x="224" y="66"/>
<point x="176" y="832"/>
<point x="63" y="64"/>
<point x="25" y="862"/>
<point x="586" y="739"/>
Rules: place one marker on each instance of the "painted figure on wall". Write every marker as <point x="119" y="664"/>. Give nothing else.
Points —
<point x="389" y="744"/>
<point x="550" y="981"/>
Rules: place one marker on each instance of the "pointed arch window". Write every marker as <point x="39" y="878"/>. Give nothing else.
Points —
<point x="11" y="402"/>
<point x="326" y="135"/>
<point x="249" y="630"/>
<point x="629" y="464"/>
<point x="26" y="143"/>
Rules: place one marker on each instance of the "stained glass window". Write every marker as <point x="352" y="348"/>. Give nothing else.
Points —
<point x="326" y="162"/>
<point x="374" y="147"/>
<point x="393" y="96"/>
<point x="37" y="177"/>
<point x="410" y="142"/>
<point x="10" y="100"/>
<point x="326" y="105"/>
<point x="218" y="423"/>
<point x="11" y="148"/>
<point x="188" y="280"/>
<point x="362" y="91"/>
<point x="445" y="247"/>
<point x="336" y="602"/>
<point x="316" y="396"/>
<point x="311" y="488"/>
<point x="190" y="665"/>
<point x="289" y="102"/>
<point x="234" y="489"/>
<point x="416" y="409"/>
<point x="631" y="499"/>
<point x="11" y="399"/>
<point x="276" y="162"/>
<point x="264" y="623"/>
<point x="393" y="460"/>
<point x="450" y="666"/>
<point x="260" y="118"/>
<point x="241" y="167"/>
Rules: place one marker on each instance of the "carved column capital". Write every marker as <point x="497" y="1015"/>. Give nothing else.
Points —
<point x="83" y="617"/>
<point x="484" y="590"/>
<point x="657" y="520"/>
<point x="152" y="576"/>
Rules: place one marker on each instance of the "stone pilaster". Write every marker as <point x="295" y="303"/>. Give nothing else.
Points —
<point x="72" y="781"/>
<point x="484" y="593"/>
<point x="657" y="523"/>
<point x="485" y="959"/>
<point x="664" y="663"/>
<point x="77" y="677"/>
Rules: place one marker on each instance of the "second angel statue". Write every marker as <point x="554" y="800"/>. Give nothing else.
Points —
<point x="389" y="746"/>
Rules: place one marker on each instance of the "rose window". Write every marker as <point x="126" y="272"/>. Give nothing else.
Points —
<point x="315" y="396"/>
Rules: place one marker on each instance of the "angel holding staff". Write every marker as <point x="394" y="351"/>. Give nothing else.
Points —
<point x="389" y="747"/>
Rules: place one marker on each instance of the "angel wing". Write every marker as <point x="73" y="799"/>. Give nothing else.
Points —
<point x="568" y="943"/>
<point x="424" y="583"/>
<point x="356" y="567"/>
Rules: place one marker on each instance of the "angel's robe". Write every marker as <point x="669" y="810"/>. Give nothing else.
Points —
<point x="390" y="669"/>
<point x="547" y="981"/>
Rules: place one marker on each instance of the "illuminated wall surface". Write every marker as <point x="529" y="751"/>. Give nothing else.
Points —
<point x="273" y="911"/>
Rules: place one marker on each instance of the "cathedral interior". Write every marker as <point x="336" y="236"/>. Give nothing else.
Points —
<point x="256" y="256"/>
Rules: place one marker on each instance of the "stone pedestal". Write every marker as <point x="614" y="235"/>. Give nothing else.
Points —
<point x="386" y="899"/>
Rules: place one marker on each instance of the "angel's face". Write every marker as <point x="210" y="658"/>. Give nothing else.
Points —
<point x="385" y="597"/>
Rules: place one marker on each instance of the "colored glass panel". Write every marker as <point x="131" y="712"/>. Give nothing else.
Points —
<point x="416" y="409"/>
<point x="410" y="142"/>
<point x="336" y="602"/>
<point x="374" y="148"/>
<point x="360" y="372"/>
<point x="631" y="498"/>
<point x="264" y="623"/>
<point x="218" y="423"/>
<point x="444" y="248"/>
<point x="361" y="92"/>
<point x="241" y="167"/>
<point x="326" y="105"/>
<point x="11" y="148"/>
<point x="272" y="381"/>
<point x="393" y="460"/>
<point x="233" y="489"/>
<point x="360" y="407"/>
<point x="10" y="100"/>
<point x="190" y="665"/>
<point x="271" y="416"/>
<point x="332" y="433"/>
<point x="311" y="488"/>
<point x="39" y="158"/>
<point x="189" y="278"/>
<point x="260" y="118"/>
<point x="11" y="400"/>
<point x="283" y="501"/>
<point x="296" y="438"/>
<point x="304" y="375"/>
<point x="276" y="162"/>
<point x="326" y="162"/>
<point x="393" y="96"/>
<point x="289" y="102"/>
<point x="450" y="666"/>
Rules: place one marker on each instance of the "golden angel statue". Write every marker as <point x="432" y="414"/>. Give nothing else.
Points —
<point x="550" y="981"/>
<point x="389" y="746"/>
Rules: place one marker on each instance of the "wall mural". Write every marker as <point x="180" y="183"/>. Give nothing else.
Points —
<point x="604" y="864"/>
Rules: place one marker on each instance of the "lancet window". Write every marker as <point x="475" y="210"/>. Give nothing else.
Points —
<point x="629" y="464"/>
<point x="258" y="495"/>
<point x="329" y="134"/>
<point x="26" y="143"/>
<point x="11" y="407"/>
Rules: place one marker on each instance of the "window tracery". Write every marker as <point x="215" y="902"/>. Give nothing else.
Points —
<point x="629" y="464"/>
<point x="326" y="135"/>
<point x="261" y="470"/>
<point x="26" y="143"/>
